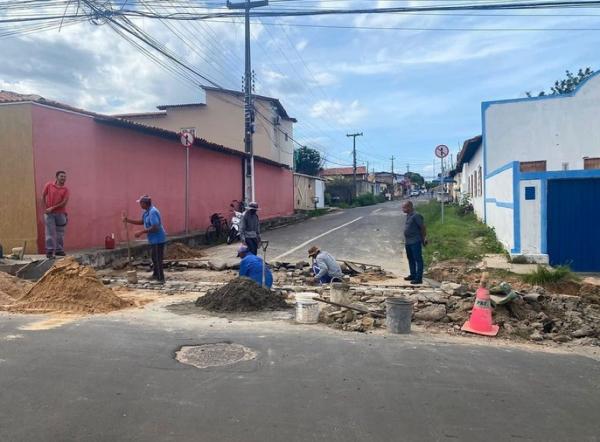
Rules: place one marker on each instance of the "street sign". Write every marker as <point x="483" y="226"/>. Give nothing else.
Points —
<point x="187" y="139"/>
<point x="442" y="151"/>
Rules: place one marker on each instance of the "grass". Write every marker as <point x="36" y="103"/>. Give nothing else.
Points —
<point x="317" y="212"/>
<point x="460" y="236"/>
<point x="547" y="275"/>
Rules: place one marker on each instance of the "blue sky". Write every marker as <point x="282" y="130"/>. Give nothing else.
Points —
<point x="407" y="91"/>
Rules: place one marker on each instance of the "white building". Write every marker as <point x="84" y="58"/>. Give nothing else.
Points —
<point x="540" y="158"/>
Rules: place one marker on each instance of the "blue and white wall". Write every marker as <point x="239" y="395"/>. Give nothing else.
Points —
<point x="562" y="130"/>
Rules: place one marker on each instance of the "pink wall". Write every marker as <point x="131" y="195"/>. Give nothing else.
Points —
<point x="108" y="168"/>
<point x="274" y="190"/>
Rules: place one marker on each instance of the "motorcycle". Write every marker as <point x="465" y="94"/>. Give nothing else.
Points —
<point x="237" y="209"/>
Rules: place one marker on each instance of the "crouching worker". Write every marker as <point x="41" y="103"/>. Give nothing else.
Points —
<point x="251" y="266"/>
<point x="324" y="266"/>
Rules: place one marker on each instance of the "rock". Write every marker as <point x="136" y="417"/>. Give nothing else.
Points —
<point x="375" y="300"/>
<point x="536" y="336"/>
<point x="368" y="322"/>
<point x="452" y="288"/>
<point x="348" y="316"/>
<point x="364" y="298"/>
<point x="106" y="281"/>
<point x="301" y="264"/>
<point x="561" y="338"/>
<point x="458" y="316"/>
<point x="432" y="313"/>
<point x="120" y="264"/>
<point x="217" y="265"/>
<point x="583" y="332"/>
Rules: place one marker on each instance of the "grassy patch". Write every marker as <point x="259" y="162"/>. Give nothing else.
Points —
<point x="548" y="275"/>
<point x="460" y="236"/>
<point x="317" y="212"/>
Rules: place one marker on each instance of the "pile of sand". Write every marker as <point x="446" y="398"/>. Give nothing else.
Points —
<point x="178" y="250"/>
<point x="12" y="288"/>
<point x="242" y="295"/>
<point x="69" y="287"/>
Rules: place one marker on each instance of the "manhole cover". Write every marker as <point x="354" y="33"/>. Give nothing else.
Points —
<point x="213" y="355"/>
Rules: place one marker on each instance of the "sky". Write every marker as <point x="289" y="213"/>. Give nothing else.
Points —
<point x="407" y="90"/>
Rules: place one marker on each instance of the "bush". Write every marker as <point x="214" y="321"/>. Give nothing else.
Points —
<point x="545" y="275"/>
<point x="366" y="199"/>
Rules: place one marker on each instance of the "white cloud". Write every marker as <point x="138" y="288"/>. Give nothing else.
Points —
<point x="325" y="79"/>
<point x="301" y="45"/>
<point x="343" y="114"/>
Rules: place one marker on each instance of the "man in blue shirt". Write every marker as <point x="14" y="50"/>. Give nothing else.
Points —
<point x="251" y="266"/>
<point x="155" y="233"/>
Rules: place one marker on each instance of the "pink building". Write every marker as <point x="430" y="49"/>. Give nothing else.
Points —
<point x="109" y="164"/>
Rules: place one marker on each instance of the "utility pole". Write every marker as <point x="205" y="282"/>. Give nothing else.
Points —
<point x="249" y="194"/>
<point x="407" y="167"/>
<point x="393" y="185"/>
<point x="354" y="158"/>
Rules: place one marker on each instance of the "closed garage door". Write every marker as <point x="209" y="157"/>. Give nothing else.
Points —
<point x="574" y="223"/>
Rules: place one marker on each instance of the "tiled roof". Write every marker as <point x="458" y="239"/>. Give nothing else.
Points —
<point x="12" y="97"/>
<point x="360" y="170"/>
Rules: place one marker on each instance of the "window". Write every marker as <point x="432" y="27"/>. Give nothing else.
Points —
<point x="191" y="130"/>
<point x="532" y="166"/>
<point x="591" y="163"/>
<point x="286" y="136"/>
<point x="529" y="193"/>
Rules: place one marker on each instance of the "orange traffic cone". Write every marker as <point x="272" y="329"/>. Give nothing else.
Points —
<point x="480" y="321"/>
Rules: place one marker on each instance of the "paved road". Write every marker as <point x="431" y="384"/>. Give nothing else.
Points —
<point x="114" y="378"/>
<point x="372" y="234"/>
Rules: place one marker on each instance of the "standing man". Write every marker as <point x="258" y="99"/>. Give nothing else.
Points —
<point x="55" y="198"/>
<point x="251" y="266"/>
<point x="325" y="267"/>
<point x="250" y="228"/>
<point x="153" y="229"/>
<point x="415" y="237"/>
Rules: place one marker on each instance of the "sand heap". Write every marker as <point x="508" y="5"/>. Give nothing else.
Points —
<point x="68" y="287"/>
<point x="177" y="250"/>
<point x="12" y="288"/>
<point x="242" y="295"/>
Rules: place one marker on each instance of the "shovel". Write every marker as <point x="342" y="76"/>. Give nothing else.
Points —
<point x="263" y="246"/>
<point x="127" y="237"/>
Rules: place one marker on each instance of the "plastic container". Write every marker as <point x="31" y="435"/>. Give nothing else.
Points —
<point x="109" y="241"/>
<point x="398" y="315"/>
<point x="339" y="293"/>
<point x="307" y="309"/>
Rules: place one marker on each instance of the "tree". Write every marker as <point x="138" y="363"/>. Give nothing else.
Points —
<point x="415" y="178"/>
<point x="307" y="161"/>
<point x="567" y="85"/>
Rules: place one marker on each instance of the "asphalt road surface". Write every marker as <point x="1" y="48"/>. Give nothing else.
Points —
<point x="372" y="235"/>
<point x="114" y="378"/>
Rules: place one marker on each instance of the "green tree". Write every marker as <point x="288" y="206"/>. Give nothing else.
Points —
<point x="568" y="84"/>
<point x="307" y="161"/>
<point x="415" y="178"/>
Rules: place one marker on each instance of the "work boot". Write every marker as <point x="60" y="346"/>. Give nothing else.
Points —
<point x="49" y="255"/>
<point x="60" y="253"/>
<point x="416" y="282"/>
<point x="409" y="278"/>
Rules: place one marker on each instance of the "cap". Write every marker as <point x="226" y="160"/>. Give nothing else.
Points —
<point x="313" y="251"/>
<point x="242" y="249"/>
<point x="253" y="205"/>
<point x="143" y="198"/>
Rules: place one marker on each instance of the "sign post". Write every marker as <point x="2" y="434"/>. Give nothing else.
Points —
<point x="442" y="152"/>
<point x="187" y="139"/>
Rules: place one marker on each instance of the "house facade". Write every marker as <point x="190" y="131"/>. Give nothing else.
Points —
<point x="309" y="192"/>
<point x="220" y="119"/>
<point x="541" y="161"/>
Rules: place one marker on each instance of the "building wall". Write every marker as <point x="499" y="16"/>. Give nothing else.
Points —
<point x="18" y="201"/>
<point x="470" y="173"/>
<point x="500" y="206"/>
<point x="558" y="129"/>
<point x="530" y="220"/>
<point x="108" y="168"/>
<point x="304" y="191"/>
<point x="274" y="190"/>
<point x="221" y="121"/>
<point x="320" y="193"/>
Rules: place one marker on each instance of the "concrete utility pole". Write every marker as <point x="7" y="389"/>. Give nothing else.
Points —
<point x="407" y="167"/>
<point x="393" y="187"/>
<point x="354" y="158"/>
<point x="249" y="194"/>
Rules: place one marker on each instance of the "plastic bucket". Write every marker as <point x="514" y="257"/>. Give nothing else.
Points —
<point x="398" y="315"/>
<point x="306" y="296"/>
<point x="339" y="293"/>
<point x="307" y="312"/>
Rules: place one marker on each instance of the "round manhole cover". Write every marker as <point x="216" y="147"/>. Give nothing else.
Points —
<point x="213" y="355"/>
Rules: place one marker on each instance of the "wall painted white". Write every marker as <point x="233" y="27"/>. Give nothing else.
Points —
<point x="320" y="193"/>
<point x="500" y="217"/>
<point x="561" y="129"/>
<point x="530" y="218"/>
<point x="471" y="172"/>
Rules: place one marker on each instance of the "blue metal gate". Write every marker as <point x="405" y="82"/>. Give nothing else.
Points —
<point x="573" y="214"/>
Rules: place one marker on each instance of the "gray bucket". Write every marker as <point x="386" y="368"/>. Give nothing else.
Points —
<point x="398" y="315"/>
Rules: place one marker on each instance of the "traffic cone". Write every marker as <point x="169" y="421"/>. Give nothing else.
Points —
<point x="480" y="321"/>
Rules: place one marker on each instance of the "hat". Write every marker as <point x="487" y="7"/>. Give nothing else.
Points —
<point x="253" y="205"/>
<point x="144" y="199"/>
<point x="242" y="249"/>
<point x="313" y="251"/>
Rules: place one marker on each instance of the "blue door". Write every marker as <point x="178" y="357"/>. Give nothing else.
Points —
<point x="574" y="223"/>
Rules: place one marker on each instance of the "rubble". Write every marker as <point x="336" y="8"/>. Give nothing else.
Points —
<point x="179" y="251"/>
<point x="12" y="288"/>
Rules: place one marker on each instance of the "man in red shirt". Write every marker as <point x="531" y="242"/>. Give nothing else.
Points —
<point x="55" y="197"/>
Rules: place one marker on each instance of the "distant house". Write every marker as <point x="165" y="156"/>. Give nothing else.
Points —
<point x="309" y="192"/>
<point x="363" y="183"/>
<point x="535" y="175"/>
<point x="397" y="185"/>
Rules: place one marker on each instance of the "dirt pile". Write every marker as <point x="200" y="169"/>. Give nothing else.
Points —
<point x="69" y="287"/>
<point x="12" y="288"/>
<point x="178" y="250"/>
<point x="242" y="295"/>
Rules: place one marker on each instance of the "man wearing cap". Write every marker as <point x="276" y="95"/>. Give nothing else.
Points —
<point x="250" y="228"/>
<point x="251" y="266"/>
<point x="153" y="229"/>
<point x="55" y="198"/>
<point x="324" y="266"/>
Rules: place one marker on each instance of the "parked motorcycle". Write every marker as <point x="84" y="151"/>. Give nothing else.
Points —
<point x="237" y="209"/>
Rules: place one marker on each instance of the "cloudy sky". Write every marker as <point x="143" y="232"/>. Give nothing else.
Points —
<point x="407" y="89"/>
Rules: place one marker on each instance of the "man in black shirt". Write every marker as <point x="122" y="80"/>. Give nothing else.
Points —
<point x="415" y="236"/>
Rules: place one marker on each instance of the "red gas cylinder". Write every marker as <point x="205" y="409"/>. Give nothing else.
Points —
<point x="109" y="241"/>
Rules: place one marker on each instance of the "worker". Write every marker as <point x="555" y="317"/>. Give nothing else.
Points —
<point x="55" y="197"/>
<point x="415" y="237"/>
<point x="325" y="267"/>
<point x="155" y="232"/>
<point x="251" y="266"/>
<point x="250" y="228"/>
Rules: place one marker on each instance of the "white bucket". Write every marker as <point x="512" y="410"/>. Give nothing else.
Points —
<point x="307" y="309"/>
<point x="339" y="293"/>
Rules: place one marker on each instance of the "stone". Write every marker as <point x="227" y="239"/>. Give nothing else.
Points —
<point x="106" y="281"/>
<point x="458" y="316"/>
<point x="301" y="264"/>
<point x="348" y="316"/>
<point x="432" y="313"/>
<point x="364" y="298"/>
<point x="561" y="338"/>
<point x="217" y="265"/>
<point x="452" y="288"/>
<point x="367" y="322"/>
<point x="536" y="336"/>
<point x="583" y="332"/>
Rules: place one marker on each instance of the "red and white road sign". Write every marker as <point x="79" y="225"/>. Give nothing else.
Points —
<point x="187" y="139"/>
<point x="442" y="151"/>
